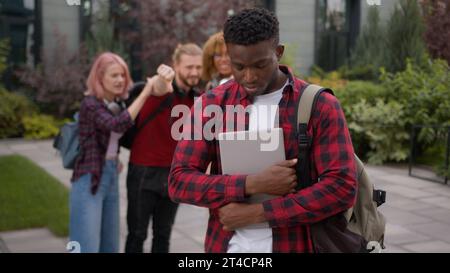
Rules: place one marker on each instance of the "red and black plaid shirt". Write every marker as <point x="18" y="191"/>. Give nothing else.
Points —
<point x="290" y="215"/>
<point x="95" y="124"/>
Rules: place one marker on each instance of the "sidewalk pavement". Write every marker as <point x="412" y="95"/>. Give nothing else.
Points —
<point x="417" y="211"/>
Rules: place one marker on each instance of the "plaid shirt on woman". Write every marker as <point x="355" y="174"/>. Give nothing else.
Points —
<point x="289" y="216"/>
<point x="96" y="124"/>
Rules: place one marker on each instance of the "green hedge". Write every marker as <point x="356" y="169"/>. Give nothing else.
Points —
<point x="380" y="116"/>
<point x="13" y="108"/>
<point x="39" y="126"/>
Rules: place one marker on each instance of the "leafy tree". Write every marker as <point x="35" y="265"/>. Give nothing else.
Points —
<point x="404" y="36"/>
<point x="437" y="33"/>
<point x="390" y="45"/>
<point x="153" y="28"/>
<point x="367" y="57"/>
<point x="58" y="82"/>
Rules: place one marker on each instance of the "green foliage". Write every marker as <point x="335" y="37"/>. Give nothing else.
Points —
<point x="383" y="126"/>
<point x="434" y="155"/>
<point x="388" y="46"/>
<point x="368" y="72"/>
<point x="355" y="91"/>
<point x="13" y="107"/>
<point x="39" y="126"/>
<point x="288" y="57"/>
<point x="331" y="80"/>
<point x="442" y="171"/>
<point x="404" y="36"/>
<point x="425" y="93"/>
<point x="367" y="56"/>
<point x="380" y="116"/>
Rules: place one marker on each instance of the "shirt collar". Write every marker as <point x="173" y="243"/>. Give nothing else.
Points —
<point x="193" y="92"/>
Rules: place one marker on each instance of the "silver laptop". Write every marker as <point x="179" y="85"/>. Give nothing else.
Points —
<point x="249" y="152"/>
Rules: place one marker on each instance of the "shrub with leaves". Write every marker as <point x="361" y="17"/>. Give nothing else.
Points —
<point x="13" y="107"/>
<point x="425" y="93"/>
<point x="383" y="126"/>
<point x="354" y="91"/>
<point x="40" y="126"/>
<point x="331" y="80"/>
<point x="381" y="116"/>
<point x="289" y="56"/>
<point x="59" y="82"/>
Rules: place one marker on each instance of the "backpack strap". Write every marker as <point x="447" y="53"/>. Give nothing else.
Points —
<point x="135" y="91"/>
<point x="165" y="103"/>
<point x="305" y="107"/>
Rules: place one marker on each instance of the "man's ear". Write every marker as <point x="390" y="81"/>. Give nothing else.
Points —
<point x="279" y="51"/>
<point x="175" y="66"/>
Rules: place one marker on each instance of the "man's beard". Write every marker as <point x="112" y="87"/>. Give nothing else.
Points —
<point x="189" y="81"/>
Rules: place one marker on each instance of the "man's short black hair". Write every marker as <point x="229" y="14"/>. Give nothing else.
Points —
<point x="251" y="26"/>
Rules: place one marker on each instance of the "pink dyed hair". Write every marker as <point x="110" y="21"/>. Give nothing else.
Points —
<point x="102" y="62"/>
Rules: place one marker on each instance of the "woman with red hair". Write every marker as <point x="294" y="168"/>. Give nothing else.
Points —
<point x="216" y="62"/>
<point x="103" y="118"/>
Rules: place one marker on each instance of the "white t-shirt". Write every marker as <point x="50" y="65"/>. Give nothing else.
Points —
<point x="258" y="238"/>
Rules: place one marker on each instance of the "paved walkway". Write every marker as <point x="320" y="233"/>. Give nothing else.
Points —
<point x="417" y="211"/>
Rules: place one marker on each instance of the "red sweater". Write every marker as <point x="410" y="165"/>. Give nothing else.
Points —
<point x="154" y="145"/>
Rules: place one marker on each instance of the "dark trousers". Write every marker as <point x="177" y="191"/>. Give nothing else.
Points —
<point x="148" y="198"/>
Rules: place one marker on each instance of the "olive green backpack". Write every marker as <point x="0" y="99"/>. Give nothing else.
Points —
<point x="360" y="228"/>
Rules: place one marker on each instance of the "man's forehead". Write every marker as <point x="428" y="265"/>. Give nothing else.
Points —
<point x="186" y="59"/>
<point x="250" y="53"/>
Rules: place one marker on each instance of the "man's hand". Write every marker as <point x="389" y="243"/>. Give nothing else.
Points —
<point x="279" y="179"/>
<point x="149" y="86"/>
<point x="163" y="80"/>
<point x="236" y="215"/>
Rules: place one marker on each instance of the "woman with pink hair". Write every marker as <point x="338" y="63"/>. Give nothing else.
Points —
<point x="103" y="118"/>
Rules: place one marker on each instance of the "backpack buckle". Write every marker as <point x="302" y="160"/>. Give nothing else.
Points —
<point x="379" y="197"/>
<point x="303" y="140"/>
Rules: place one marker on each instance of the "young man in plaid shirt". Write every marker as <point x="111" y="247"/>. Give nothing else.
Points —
<point x="252" y="38"/>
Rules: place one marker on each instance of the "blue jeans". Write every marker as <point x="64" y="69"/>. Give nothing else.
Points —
<point x="94" y="219"/>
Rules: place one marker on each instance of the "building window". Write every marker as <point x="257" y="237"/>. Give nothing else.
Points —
<point x="268" y="4"/>
<point x="18" y="25"/>
<point x="85" y="18"/>
<point x="336" y="30"/>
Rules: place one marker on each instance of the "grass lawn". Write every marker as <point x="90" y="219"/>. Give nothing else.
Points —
<point x="30" y="197"/>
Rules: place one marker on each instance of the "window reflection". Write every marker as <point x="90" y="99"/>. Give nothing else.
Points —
<point x="333" y="36"/>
